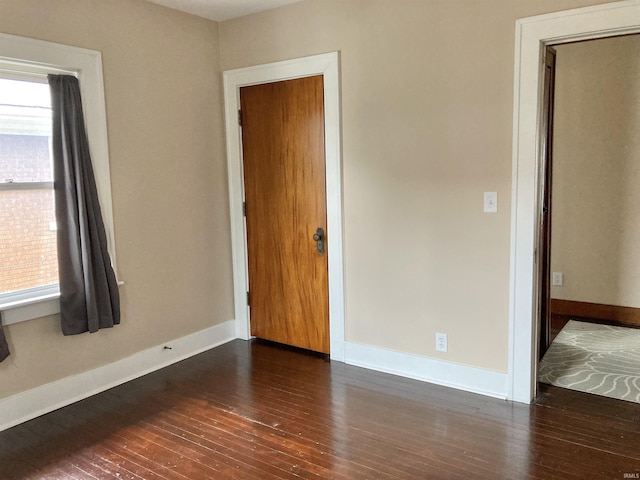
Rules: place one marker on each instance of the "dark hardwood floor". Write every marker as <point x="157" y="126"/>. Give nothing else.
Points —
<point x="253" y="410"/>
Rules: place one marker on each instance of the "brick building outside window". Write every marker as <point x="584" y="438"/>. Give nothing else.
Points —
<point x="28" y="257"/>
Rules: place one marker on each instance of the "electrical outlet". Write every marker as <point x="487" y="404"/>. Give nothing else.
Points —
<point x="441" y="342"/>
<point x="558" y="279"/>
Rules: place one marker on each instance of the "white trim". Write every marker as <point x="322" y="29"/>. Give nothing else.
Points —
<point x="33" y="308"/>
<point x="47" y="398"/>
<point x="28" y="296"/>
<point x="30" y="71"/>
<point x="532" y="34"/>
<point x="453" y="375"/>
<point x="30" y="303"/>
<point x="46" y="57"/>
<point x="25" y="186"/>
<point x="326" y="65"/>
<point x="36" y="303"/>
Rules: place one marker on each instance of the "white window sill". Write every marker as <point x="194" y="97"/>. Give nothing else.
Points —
<point x="27" y="309"/>
<point x="17" y="312"/>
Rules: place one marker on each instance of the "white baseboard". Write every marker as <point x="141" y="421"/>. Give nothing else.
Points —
<point x="46" y="398"/>
<point x="461" y="377"/>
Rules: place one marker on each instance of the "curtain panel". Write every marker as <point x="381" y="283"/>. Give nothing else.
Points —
<point x="89" y="298"/>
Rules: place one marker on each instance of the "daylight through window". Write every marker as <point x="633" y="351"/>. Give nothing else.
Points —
<point x="28" y="258"/>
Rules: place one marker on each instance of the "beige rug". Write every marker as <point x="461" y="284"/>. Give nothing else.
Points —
<point x="592" y="358"/>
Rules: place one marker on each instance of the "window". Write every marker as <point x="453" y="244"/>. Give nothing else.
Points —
<point x="28" y="259"/>
<point x="28" y="263"/>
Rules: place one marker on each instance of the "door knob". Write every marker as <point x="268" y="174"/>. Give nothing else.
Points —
<point x="318" y="237"/>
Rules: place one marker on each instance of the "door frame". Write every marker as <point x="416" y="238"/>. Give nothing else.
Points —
<point x="546" y="187"/>
<point x="326" y="65"/>
<point x="533" y="34"/>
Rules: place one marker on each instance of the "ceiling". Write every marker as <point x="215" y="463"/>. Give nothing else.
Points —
<point x="220" y="10"/>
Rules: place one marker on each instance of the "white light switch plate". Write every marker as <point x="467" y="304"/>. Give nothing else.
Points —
<point x="490" y="202"/>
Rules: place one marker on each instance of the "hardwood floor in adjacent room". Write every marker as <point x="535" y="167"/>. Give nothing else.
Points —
<point x="253" y="410"/>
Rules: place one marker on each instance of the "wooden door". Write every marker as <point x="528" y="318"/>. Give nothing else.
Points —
<point x="544" y="258"/>
<point x="284" y="179"/>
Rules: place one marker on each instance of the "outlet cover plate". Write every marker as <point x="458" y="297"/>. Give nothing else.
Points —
<point x="441" y="342"/>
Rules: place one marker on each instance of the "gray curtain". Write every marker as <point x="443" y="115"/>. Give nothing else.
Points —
<point x="89" y="298"/>
<point x="4" y="348"/>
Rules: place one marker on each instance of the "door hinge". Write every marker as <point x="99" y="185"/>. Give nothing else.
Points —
<point x="244" y="209"/>
<point x="248" y="299"/>
<point x="240" y="117"/>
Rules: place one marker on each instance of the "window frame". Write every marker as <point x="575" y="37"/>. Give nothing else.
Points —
<point x="21" y="58"/>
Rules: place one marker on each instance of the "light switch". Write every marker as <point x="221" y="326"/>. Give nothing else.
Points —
<point x="490" y="202"/>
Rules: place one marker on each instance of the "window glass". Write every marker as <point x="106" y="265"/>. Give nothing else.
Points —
<point x="28" y="257"/>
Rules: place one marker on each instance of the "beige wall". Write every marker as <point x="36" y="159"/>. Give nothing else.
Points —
<point x="168" y="174"/>
<point x="596" y="173"/>
<point x="427" y="99"/>
<point x="427" y="95"/>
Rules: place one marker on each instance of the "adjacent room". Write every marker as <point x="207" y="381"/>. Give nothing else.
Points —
<point x="314" y="247"/>
<point x="594" y="220"/>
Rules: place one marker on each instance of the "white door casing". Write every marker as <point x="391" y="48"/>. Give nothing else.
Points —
<point x="532" y="35"/>
<point x="328" y="66"/>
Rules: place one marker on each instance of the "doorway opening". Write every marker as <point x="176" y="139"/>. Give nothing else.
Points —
<point x="532" y="36"/>
<point x="589" y="280"/>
